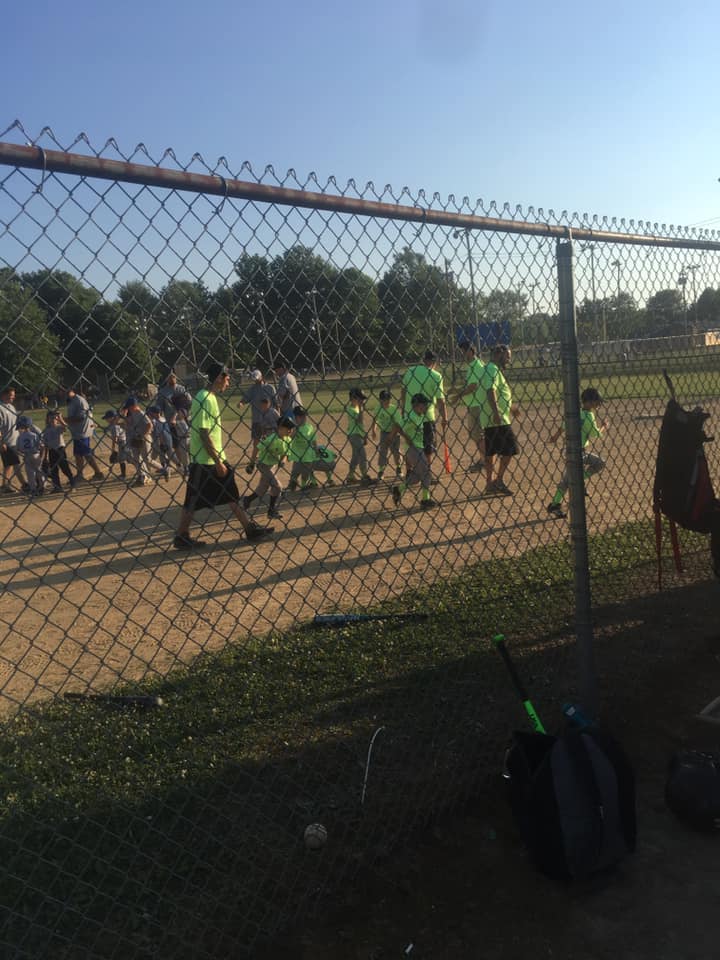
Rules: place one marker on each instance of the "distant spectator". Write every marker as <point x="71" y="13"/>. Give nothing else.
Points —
<point x="288" y="394"/>
<point x="8" y="440"/>
<point x="256" y="393"/>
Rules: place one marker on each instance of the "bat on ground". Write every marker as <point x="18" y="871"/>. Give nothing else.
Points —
<point x="118" y="700"/>
<point x="499" y="644"/>
<point x="446" y="459"/>
<point x="343" y="619"/>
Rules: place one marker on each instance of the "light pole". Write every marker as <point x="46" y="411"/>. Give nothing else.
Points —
<point x="451" y="332"/>
<point x="230" y="342"/>
<point x="693" y="268"/>
<point x="187" y="315"/>
<point x="456" y="234"/>
<point x="143" y="324"/>
<point x="682" y="283"/>
<point x="318" y="332"/>
<point x="618" y="265"/>
<point x="593" y="294"/>
<point x="256" y="299"/>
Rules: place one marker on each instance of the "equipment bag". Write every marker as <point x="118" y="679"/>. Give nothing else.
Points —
<point x="573" y="798"/>
<point x="692" y="789"/>
<point x="683" y="490"/>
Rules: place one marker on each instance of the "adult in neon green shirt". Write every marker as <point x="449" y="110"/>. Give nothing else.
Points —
<point x="211" y="481"/>
<point x="426" y="380"/>
<point x="497" y="413"/>
<point x="475" y="396"/>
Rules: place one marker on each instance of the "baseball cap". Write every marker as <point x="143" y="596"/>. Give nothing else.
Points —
<point x="153" y="408"/>
<point x="110" y="414"/>
<point x="130" y="402"/>
<point x="591" y="395"/>
<point x="255" y="375"/>
<point x="286" y="421"/>
<point x="385" y="395"/>
<point x="419" y="398"/>
<point x="215" y="370"/>
<point x="357" y="394"/>
<point x="23" y="421"/>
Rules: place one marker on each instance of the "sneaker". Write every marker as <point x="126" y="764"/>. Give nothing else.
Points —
<point x="310" y="485"/>
<point x="477" y="467"/>
<point x="255" y="532"/>
<point x="428" y="504"/>
<point x="292" y="486"/>
<point x="396" y="495"/>
<point x="351" y="479"/>
<point x="398" y="471"/>
<point x="250" y="467"/>
<point x="99" y="475"/>
<point x="329" y="482"/>
<point x="56" y="488"/>
<point x="139" y="482"/>
<point x="184" y="542"/>
<point x="501" y="489"/>
<point x="246" y="501"/>
<point x="273" y="514"/>
<point x="556" y="510"/>
<point x="8" y="488"/>
<point x="490" y="489"/>
<point x="162" y="475"/>
<point x="367" y="481"/>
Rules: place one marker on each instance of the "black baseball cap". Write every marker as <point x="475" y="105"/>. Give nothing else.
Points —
<point x="286" y="421"/>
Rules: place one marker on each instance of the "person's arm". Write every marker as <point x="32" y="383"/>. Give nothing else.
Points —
<point x="206" y="440"/>
<point x="442" y="410"/>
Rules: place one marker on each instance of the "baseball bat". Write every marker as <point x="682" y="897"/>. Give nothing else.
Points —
<point x="342" y="619"/>
<point x="499" y="644"/>
<point x="117" y="700"/>
<point x="446" y="458"/>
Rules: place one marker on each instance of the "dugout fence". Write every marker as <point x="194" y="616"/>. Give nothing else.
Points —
<point x="137" y="827"/>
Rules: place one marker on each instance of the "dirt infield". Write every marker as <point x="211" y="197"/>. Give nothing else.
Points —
<point x="93" y="592"/>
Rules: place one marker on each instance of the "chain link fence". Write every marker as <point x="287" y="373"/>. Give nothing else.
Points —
<point x="172" y="721"/>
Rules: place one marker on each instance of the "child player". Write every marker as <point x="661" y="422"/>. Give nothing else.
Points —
<point x="271" y="452"/>
<point x="52" y="437"/>
<point x="31" y="448"/>
<point x="386" y="417"/>
<point x="417" y="431"/>
<point x="357" y="435"/>
<point x="305" y="455"/>
<point x="591" y="401"/>
<point x="118" y="440"/>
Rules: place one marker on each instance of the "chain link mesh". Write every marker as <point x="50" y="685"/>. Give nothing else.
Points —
<point x="131" y="828"/>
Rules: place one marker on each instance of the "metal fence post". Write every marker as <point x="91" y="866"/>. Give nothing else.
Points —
<point x="587" y="678"/>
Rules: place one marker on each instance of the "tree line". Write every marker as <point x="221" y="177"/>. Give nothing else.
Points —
<point x="54" y="327"/>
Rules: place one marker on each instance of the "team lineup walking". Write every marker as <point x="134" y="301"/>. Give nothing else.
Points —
<point x="181" y="435"/>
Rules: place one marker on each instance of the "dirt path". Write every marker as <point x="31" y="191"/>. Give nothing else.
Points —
<point x="94" y="594"/>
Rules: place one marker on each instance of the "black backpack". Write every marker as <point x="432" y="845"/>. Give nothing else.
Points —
<point x="573" y="798"/>
<point x="692" y="789"/>
<point x="683" y="490"/>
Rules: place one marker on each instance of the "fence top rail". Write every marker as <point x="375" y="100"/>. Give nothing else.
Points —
<point x="56" y="161"/>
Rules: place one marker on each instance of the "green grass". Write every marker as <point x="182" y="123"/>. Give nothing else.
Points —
<point x="136" y="828"/>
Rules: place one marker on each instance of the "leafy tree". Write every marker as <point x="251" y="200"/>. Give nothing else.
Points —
<point x="666" y="314"/>
<point x="708" y="309"/>
<point x="178" y="325"/>
<point x="29" y="352"/>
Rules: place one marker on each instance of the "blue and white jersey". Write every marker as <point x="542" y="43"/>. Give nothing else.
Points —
<point x="29" y="442"/>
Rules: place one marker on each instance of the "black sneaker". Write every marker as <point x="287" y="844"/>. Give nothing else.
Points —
<point x="396" y="495"/>
<point x="246" y="501"/>
<point x="250" y="467"/>
<point x="556" y="510"/>
<point x="368" y="481"/>
<point x="255" y="532"/>
<point x="501" y="490"/>
<point x="428" y="504"/>
<point x="183" y="542"/>
<point x="273" y="514"/>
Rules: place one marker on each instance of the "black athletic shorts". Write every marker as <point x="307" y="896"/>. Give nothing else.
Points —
<point x="500" y="441"/>
<point x="9" y="457"/>
<point x="429" y="437"/>
<point x="206" y="490"/>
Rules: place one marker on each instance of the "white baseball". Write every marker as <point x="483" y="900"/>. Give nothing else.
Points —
<point x="315" y="836"/>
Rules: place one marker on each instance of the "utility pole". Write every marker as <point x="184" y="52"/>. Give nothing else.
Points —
<point x="682" y="283"/>
<point x="693" y="268"/>
<point x="456" y="234"/>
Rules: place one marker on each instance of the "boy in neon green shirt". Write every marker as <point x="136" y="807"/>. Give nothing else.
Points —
<point x="416" y="430"/>
<point x="272" y="451"/>
<point x="386" y="417"/>
<point x="304" y="456"/>
<point x="357" y="436"/>
<point x="589" y="429"/>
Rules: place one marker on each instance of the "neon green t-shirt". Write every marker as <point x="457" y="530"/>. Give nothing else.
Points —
<point x="475" y="371"/>
<point x="493" y="378"/>
<point x="302" y="444"/>
<point x="422" y="379"/>
<point x="588" y="427"/>
<point x="387" y="417"/>
<point x="205" y="415"/>
<point x="414" y="426"/>
<point x="273" y="449"/>
<point x="356" y="426"/>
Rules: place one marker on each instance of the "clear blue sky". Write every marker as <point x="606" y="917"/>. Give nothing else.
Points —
<point x="606" y="108"/>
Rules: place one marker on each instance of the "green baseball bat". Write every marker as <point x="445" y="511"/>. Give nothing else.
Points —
<point x="499" y="644"/>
